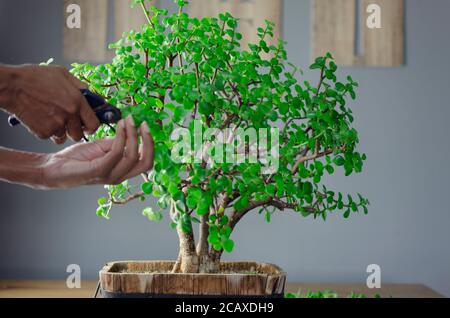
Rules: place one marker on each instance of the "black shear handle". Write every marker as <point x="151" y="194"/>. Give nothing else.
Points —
<point x="106" y="113"/>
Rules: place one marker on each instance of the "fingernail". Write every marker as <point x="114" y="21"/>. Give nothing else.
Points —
<point x="122" y="124"/>
<point x="145" y="125"/>
<point x="130" y="120"/>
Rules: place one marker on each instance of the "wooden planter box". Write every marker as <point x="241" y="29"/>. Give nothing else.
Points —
<point x="152" y="279"/>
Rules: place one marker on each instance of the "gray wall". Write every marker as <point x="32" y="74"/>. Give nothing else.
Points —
<point x="402" y="115"/>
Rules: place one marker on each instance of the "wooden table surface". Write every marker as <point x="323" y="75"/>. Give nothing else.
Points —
<point x="57" y="288"/>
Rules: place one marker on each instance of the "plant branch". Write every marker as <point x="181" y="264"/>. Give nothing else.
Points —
<point x="128" y="199"/>
<point x="203" y="246"/>
<point x="147" y="69"/>
<point x="315" y="155"/>
<point x="277" y="203"/>
<point x="147" y="16"/>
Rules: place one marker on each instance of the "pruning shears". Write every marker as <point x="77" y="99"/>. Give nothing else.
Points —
<point x="106" y="113"/>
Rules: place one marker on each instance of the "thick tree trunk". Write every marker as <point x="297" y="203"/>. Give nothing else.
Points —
<point x="188" y="258"/>
<point x="209" y="265"/>
<point x="190" y="262"/>
<point x="205" y="265"/>
<point x="200" y="259"/>
<point x="202" y="247"/>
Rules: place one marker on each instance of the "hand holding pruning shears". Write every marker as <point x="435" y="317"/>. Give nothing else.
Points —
<point x="53" y="104"/>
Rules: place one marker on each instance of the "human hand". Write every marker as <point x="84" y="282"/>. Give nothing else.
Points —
<point x="107" y="161"/>
<point x="47" y="100"/>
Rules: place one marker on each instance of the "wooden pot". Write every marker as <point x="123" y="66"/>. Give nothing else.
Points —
<point x="152" y="279"/>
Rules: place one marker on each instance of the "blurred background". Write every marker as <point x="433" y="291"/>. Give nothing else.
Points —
<point x="401" y="114"/>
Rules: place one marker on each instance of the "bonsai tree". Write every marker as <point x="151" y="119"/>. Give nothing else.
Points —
<point x="179" y="72"/>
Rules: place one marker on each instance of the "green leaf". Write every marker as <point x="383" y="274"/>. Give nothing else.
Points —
<point x="206" y="108"/>
<point x="232" y="23"/>
<point x="241" y="203"/>
<point x="102" y="201"/>
<point x="271" y="189"/>
<point x="213" y="238"/>
<point x="284" y="108"/>
<point x="331" y="92"/>
<point x="223" y="220"/>
<point x="180" y="206"/>
<point x="101" y="212"/>
<point x="195" y="193"/>
<point x="173" y="189"/>
<point x="366" y="211"/>
<point x="273" y="116"/>
<point x="225" y="233"/>
<point x="333" y="66"/>
<point x="329" y="169"/>
<point x="147" y="187"/>
<point x="152" y="215"/>
<point x="268" y="216"/>
<point x="347" y="214"/>
<point x="228" y="246"/>
<point x="217" y="246"/>
<point x="339" y="161"/>
<point x="202" y="210"/>
<point x="178" y="114"/>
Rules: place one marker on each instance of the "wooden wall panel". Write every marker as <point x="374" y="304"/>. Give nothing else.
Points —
<point x="334" y="30"/>
<point x="88" y="43"/>
<point x="127" y="18"/>
<point x="384" y="46"/>
<point x="251" y="13"/>
<point x="334" y="24"/>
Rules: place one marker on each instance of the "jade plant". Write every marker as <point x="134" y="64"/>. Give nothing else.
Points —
<point x="179" y="72"/>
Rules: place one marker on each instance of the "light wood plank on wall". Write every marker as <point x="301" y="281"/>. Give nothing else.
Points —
<point x="267" y="10"/>
<point x="127" y="18"/>
<point x="334" y="24"/>
<point x="334" y="31"/>
<point x="384" y="46"/>
<point x="89" y="42"/>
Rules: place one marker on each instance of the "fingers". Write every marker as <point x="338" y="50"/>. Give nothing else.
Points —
<point x="106" y="163"/>
<point x="118" y="146"/>
<point x="74" y="129"/>
<point x="131" y="154"/>
<point x="50" y="100"/>
<point x="146" y="153"/>
<point x="59" y="137"/>
<point x="120" y="158"/>
<point x="88" y="117"/>
<point x="82" y="118"/>
<point x="75" y="81"/>
<point x="80" y="109"/>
